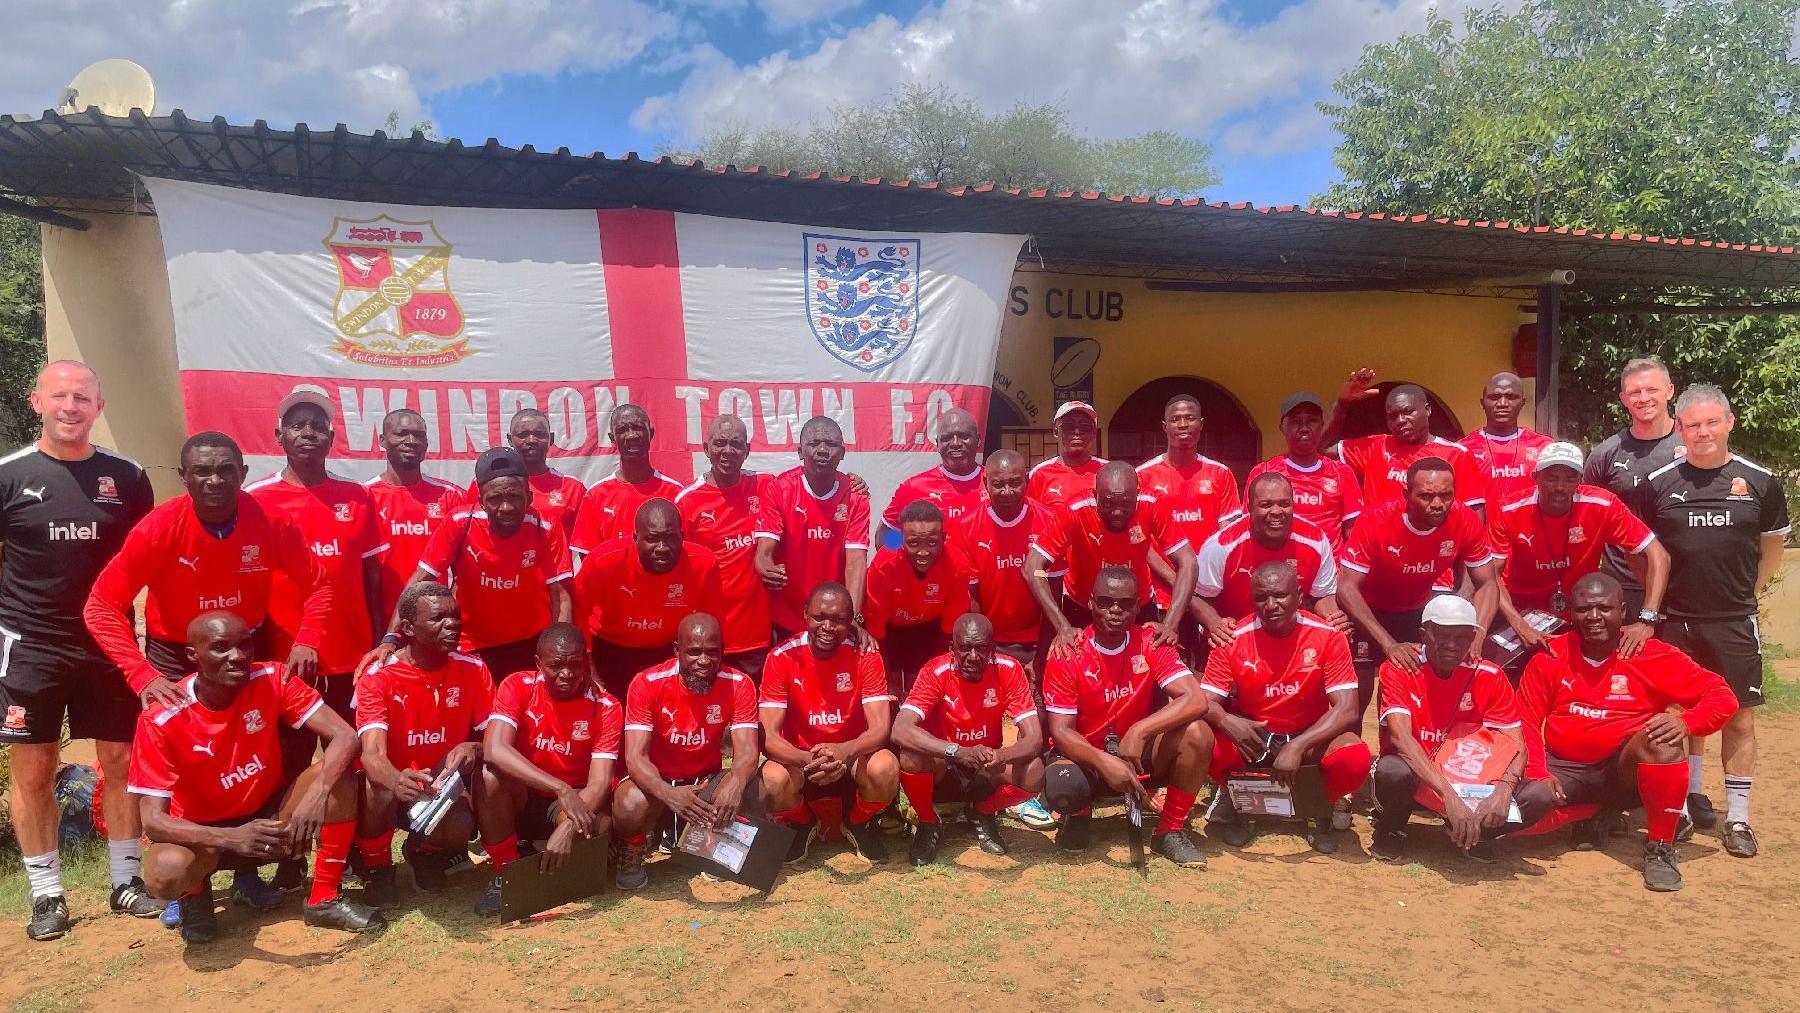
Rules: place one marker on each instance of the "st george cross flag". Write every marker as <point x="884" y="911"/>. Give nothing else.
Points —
<point x="470" y="314"/>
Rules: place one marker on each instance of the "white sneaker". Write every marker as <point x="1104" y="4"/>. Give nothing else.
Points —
<point x="1033" y="814"/>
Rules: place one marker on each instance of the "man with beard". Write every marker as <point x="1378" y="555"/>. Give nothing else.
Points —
<point x="631" y="595"/>
<point x="1070" y="474"/>
<point x="949" y="730"/>
<point x="825" y="715"/>
<point x="954" y="486"/>
<point x="813" y="530"/>
<point x="1269" y="533"/>
<point x="678" y="718"/>
<point x="1505" y="450"/>
<point x="411" y="504"/>
<point x="718" y="512"/>
<point x="1326" y="492"/>
<point x="555" y="497"/>
<point x="609" y="509"/>
<point x="1382" y="460"/>
<point x="550" y="749"/>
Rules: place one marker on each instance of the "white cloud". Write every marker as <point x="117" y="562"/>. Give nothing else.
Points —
<point x="321" y="61"/>
<point x="788" y="13"/>
<point x="1120" y="68"/>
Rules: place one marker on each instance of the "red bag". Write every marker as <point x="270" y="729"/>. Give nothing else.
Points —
<point x="1481" y="756"/>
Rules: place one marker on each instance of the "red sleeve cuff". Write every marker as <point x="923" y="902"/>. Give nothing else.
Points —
<point x="142" y="674"/>
<point x="308" y="638"/>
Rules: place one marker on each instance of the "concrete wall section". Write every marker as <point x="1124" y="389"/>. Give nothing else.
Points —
<point x="106" y="302"/>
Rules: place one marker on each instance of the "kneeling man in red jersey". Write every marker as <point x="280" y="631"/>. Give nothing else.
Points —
<point x="1609" y="730"/>
<point x="551" y="746"/>
<point x="949" y="729"/>
<point x="208" y="776"/>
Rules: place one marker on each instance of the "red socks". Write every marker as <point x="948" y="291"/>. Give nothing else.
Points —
<point x="377" y="851"/>
<point x="918" y="792"/>
<point x="798" y="816"/>
<point x="1004" y="797"/>
<point x="1176" y="806"/>
<point x="502" y="853"/>
<point x="1344" y="769"/>
<point x="1663" y="787"/>
<point x="329" y="859"/>
<point x="864" y="810"/>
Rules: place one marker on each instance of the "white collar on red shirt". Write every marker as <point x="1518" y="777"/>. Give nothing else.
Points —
<point x="1320" y="463"/>
<point x="1024" y="512"/>
<point x="959" y="478"/>
<point x="1491" y="438"/>
<point x="1117" y="650"/>
<point x="804" y="484"/>
<point x="1406" y="519"/>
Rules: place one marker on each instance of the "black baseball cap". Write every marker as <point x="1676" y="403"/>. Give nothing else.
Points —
<point x="499" y="463"/>
<point x="1296" y="400"/>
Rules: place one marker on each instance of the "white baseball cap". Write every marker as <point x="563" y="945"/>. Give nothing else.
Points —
<point x="1449" y="610"/>
<point x="304" y="395"/>
<point x="1564" y="455"/>
<point x="1071" y="407"/>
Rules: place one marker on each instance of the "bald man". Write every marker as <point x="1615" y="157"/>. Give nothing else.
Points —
<point x="719" y="512"/>
<point x="66" y="506"/>
<point x="630" y="595"/>
<point x="678" y="717"/>
<point x="1380" y="461"/>
<point x="611" y="504"/>
<point x="954" y="486"/>
<point x="1506" y="451"/>
<point x="555" y="497"/>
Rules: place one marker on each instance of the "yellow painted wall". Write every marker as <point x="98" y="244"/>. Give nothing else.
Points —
<point x="106" y="302"/>
<point x="1259" y="347"/>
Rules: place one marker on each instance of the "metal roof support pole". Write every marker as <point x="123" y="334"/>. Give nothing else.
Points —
<point x="1549" y="359"/>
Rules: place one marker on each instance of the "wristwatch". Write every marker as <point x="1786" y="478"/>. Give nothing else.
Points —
<point x="1649" y="616"/>
<point x="951" y="750"/>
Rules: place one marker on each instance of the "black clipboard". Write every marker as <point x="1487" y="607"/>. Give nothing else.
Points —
<point x="751" y="851"/>
<point x="1307" y="796"/>
<point x="525" y="890"/>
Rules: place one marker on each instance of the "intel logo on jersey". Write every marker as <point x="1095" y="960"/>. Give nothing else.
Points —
<point x="1189" y="516"/>
<point x="735" y="542"/>
<point x="634" y="623"/>
<point x="1419" y="568"/>
<point x="223" y="601"/>
<point x="74" y="532"/>
<point x="427" y="738"/>
<point x="545" y="743"/>
<point x="327" y="548"/>
<point x="1281" y="689"/>
<point x="499" y="583"/>
<point x="1709" y="519"/>
<point x="232" y="779"/>
<point x="826" y="719"/>
<point x="688" y="739"/>
<point x="419" y="528"/>
<point x="818" y="532"/>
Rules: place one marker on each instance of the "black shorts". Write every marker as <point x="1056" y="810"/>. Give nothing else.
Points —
<point x="906" y="649"/>
<point x="1402" y="626"/>
<point x="1600" y="782"/>
<point x="41" y="681"/>
<point x="1730" y="647"/>
<point x="748" y="662"/>
<point x="231" y="861"/>
<point x="297" y="744"/>
<point x="503" y="660"/>
<point x="536" y="820"/>
<point x="168" y="657"/>
<point x="617" y="666"/>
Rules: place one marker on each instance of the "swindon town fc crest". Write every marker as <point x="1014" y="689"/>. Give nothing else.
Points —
<point x="394" y="304"/>
<point x="862" y="297"/>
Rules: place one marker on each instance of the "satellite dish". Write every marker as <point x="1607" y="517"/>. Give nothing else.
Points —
<point x="115" y="87"/>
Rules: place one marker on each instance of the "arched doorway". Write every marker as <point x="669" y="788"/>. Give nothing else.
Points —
<point x="1369" y="416"/>
<point x="1135" y="432"/>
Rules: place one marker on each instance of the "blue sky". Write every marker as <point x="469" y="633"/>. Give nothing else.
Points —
<point x="619" y="75"/>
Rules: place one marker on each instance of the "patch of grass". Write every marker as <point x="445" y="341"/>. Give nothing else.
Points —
<point x="1779" y="695"/>
<point x="84" y="876"/>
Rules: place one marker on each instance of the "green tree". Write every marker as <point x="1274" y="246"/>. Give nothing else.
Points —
<point x="933" y="134"/>
<point x="1646" y="116"/>
<point x="21" y="327"/>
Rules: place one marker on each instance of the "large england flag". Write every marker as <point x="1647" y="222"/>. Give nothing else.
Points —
<point x="470" y="314"/>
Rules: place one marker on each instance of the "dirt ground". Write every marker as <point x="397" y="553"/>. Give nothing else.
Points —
<point x="1271" y="927"/>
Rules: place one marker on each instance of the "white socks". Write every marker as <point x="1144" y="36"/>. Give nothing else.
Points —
<point x="125" y="860"/>
<point x="45" y="874"/>
<point x="1694" y="765"/>
<point x="1737" y="799"/>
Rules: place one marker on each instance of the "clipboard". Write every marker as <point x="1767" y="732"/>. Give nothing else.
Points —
<point x="527" y="891"/>
<point x="1255" y="794"/>
<point x="750" y="851"/>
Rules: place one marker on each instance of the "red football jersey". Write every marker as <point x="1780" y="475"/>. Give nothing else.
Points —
<point x="425" y="714"/>
<point x="242" y="746"/>
<point x="822" y="699"/>
<point x="609" y="508"/>
<point x="687" y="729"/>
<point x="956" y="495"/>
<point x="995" y="551"/>
<point x="1474" y="696"/>
<point x="1285" y="682"/>
<point x="724" y="520"/>
<point x="502" y="584"/>
<point x="968" y="713"/>
<point x="1507" y="462"/>
<point x="188" y="571"/>
<point x="815" y="532"/>
<point x="1577" y="710"/>
<point x="1548" y="554"/>
<point x="409" y="514"/>
<point x="338" y="521"/>
<point x="898" y="596"/>
<point x="1201" y="498"/>
<point x="622" y="603"/>
<point x="1229" y="557"/>
<point x="1403" y="562"/>
<point x="1055" y="484"/>
<point x="1082" y="544"/>
<point x="1327" y="494"/>
<point x="1382" y="462"/>
<point x="1110" y="690"/>
<point x="555" y="497"/>
<point x="562" y="738"/>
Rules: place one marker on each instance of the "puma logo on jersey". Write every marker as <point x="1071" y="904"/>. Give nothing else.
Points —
<point x="206" y="748"/>
<point x="705" y="515"/>
<point x="1680" y="497"/>
<point x="36" y="494"/>
<point x="192" y="563"/>
<point x="1524" y="537"/>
